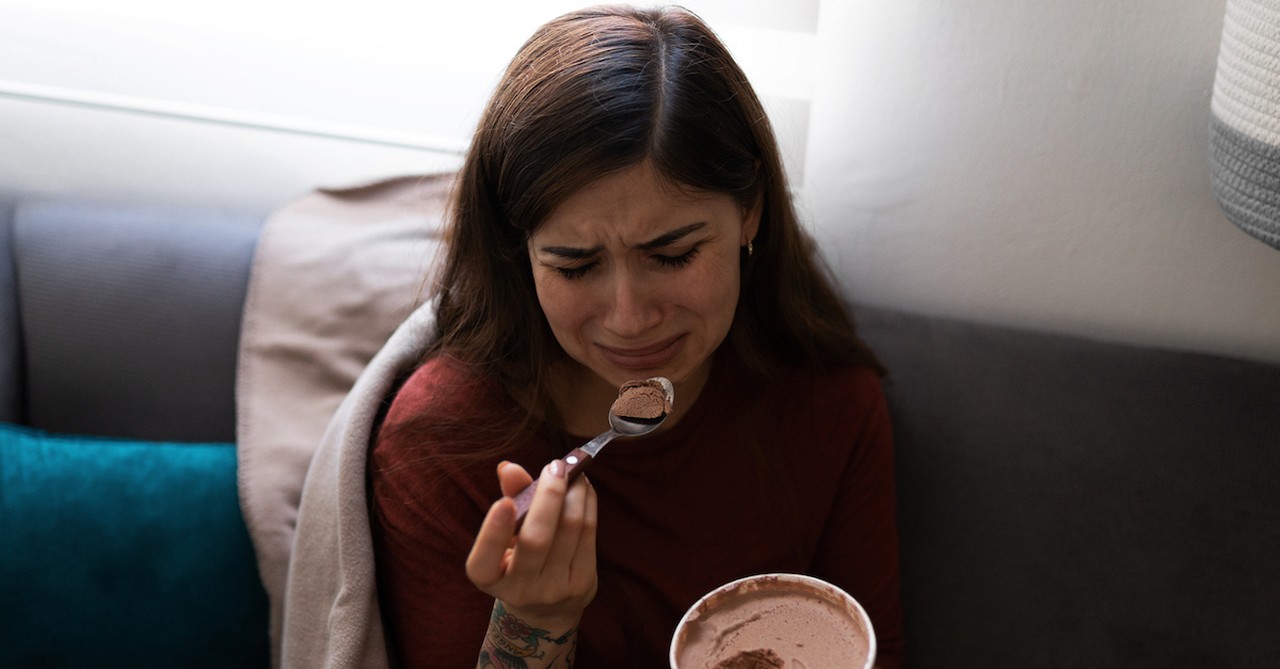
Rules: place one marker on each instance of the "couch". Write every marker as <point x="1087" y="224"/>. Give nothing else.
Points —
<point x="1064" y="501"/>
<point x="123" y="539"/>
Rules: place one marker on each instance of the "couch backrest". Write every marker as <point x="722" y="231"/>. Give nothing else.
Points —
<point x="1074" y="503"/>
<point x="10" y="332"/>
<point x="130" y="317"/>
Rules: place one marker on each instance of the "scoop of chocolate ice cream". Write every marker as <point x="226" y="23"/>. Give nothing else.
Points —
<point x="641" y="402"/>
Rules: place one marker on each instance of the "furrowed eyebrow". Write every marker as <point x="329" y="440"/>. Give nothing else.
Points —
<point x="671" y="237"/>
<point x="570" y="252"/>
<point x="665" y="239"/>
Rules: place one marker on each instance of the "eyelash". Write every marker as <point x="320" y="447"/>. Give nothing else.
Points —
<point x="574" y="272"/>
<point x="673" y="262"/>
<point x="680" y="260"/>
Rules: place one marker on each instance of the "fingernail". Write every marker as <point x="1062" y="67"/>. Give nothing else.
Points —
<point x="557" y="468"/>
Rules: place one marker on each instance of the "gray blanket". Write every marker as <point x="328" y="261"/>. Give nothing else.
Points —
<point x="331" y="616"/>
<point x="335" y="273"/>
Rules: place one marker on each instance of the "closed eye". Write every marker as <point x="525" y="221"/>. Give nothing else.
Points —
<point x="680" y="260"/>
<point x="575" y="272"/>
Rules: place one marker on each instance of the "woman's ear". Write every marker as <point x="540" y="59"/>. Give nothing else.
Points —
<point x="751" y="219"/>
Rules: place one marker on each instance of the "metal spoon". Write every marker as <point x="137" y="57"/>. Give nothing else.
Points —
<point x="578" y="459"/>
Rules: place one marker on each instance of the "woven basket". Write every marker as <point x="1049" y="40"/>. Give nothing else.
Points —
<point x="1245" y="129"/>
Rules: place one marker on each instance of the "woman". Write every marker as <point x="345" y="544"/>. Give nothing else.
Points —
<point x="623" y="214"/>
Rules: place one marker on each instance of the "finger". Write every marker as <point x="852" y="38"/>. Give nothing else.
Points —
<point x="583" y="564"/>
<point x="513" y="478"/>
<point x="486" y="562"/>
<point x="569" y="531"/>
<point x="540" y="524"/>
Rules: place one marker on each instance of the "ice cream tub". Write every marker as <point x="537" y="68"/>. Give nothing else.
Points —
<point x="774" y="621"/>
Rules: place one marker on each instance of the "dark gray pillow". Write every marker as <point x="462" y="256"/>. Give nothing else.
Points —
<point x="131" y="317"/>
<point x="10" y="342"/>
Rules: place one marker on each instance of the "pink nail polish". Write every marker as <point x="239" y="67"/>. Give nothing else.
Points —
<point x="557" y="468"/>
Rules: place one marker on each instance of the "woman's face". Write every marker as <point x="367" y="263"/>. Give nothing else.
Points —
<point x="640" y="279"/>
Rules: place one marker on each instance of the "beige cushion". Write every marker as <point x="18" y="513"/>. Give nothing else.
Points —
<point x="334" y="273"/>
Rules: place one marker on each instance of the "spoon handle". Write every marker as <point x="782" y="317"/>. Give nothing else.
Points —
<point x="576" y="461"/>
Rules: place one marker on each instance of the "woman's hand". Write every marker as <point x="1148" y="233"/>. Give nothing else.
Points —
<point x="546" y="574"/>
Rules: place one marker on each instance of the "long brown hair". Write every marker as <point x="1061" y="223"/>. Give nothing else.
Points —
<point x="591" y="93"/>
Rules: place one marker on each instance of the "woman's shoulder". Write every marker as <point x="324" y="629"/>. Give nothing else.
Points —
<point x="797" y="394"/>
<point x="839" y="380"/>
<point x="842" y="393"/>
<point x="443" y="386"/>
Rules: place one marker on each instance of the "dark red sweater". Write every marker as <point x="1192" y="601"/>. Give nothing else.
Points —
<point x="793" y="476"/>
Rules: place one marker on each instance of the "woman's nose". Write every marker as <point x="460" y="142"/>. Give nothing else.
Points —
<point x="632" y="309"/>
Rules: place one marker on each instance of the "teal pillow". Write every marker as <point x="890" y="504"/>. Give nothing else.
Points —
<point x="120" y="553"/>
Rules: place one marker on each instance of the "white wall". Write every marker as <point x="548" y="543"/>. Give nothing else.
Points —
<point x="248" y="103"/>
<point x="1037" y="163"/>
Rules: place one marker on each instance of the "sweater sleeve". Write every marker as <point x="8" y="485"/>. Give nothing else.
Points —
<point x="435" y="617"/>
<point x="859" y="547"/>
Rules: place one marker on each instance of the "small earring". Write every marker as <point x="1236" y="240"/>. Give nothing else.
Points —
<point x="750" y="249"/>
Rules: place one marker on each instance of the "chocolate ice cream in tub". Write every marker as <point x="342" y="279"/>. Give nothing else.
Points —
<point x="774" y="621"/>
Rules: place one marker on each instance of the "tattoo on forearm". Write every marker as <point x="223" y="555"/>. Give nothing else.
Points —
<point x="511" y="644"/>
